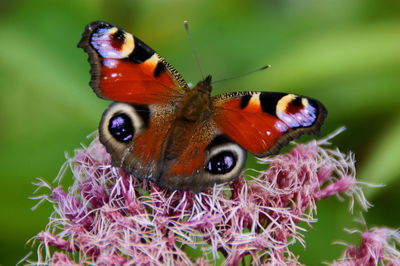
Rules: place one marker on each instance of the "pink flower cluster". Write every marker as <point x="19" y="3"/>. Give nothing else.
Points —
<point x="108" y="217"/>
<point x="378" y="247"/>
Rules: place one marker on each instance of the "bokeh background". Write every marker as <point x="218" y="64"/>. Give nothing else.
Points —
<point x="346" y="53"/>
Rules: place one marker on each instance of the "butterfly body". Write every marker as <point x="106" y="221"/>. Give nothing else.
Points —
<point x="160" y="129"/>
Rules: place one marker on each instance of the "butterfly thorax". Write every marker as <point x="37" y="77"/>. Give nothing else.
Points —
<point x="195" y="108"/>
<point x="196" y="105"/>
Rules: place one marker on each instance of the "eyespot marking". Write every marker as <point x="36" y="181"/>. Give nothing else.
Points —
<point x="224" y="161"/>
<point x="284" y="102"/>
<point x="111" y="42"/>
<point x="121" y="128"/>
<point x="221" y="163"/>
<point x="296" y="111"/>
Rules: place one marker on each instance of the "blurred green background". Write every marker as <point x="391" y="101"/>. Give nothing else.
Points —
<point x="345" y="53"/>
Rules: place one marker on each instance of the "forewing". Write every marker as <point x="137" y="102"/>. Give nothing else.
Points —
<point x="125" y="69"/>
<point x="264" y="122"/>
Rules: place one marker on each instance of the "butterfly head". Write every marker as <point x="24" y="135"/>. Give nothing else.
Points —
<point x="204" y="85"/>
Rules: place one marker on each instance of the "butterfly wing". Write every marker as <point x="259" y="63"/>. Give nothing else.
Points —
<point x="125" y="69"/>
<point x="135" y="136"/>
<point x="264" y="122"/>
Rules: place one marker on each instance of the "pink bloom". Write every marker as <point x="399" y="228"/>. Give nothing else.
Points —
<point x="109" y="217"/>
<point x="378" y="246"/>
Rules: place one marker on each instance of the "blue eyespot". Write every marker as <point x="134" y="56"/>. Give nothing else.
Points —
<point x="121" y="128"/>
<point x="221" y="163"/>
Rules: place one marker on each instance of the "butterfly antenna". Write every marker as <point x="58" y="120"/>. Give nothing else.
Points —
<point x="186" y="23"/>
<point x="243" y="74"/>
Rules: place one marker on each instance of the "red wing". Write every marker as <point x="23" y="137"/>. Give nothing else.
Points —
<point x="263" y="122"/>
<point x="125" y="69"/>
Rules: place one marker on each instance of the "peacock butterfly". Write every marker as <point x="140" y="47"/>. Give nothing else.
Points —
<point x="160" y="129"/>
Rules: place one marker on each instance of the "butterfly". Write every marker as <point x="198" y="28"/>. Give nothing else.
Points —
<point x="183" y="138"/>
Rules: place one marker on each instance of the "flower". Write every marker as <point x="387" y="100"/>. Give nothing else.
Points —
<point x="110" y="217"/>
<point x="378" y="246"/>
